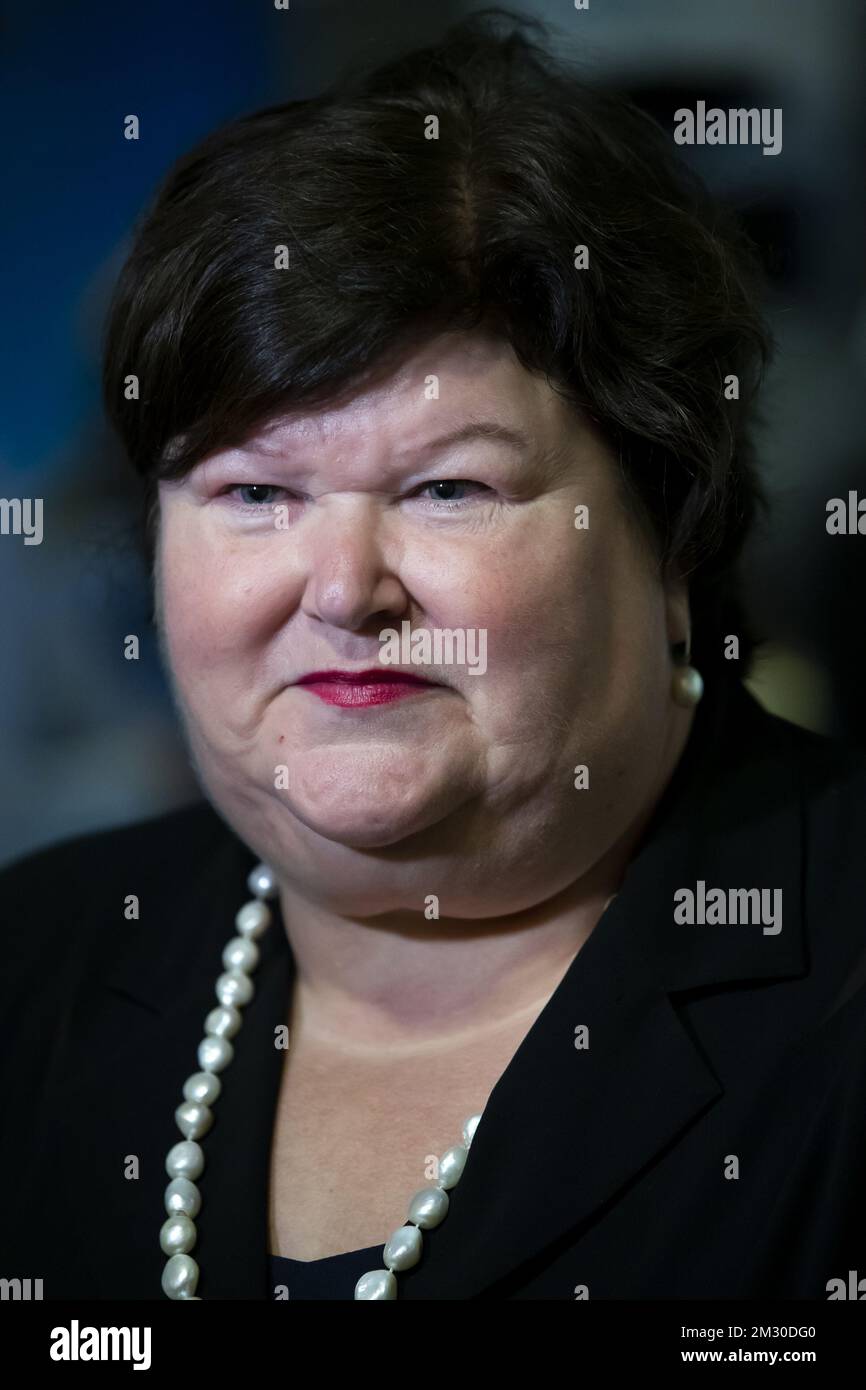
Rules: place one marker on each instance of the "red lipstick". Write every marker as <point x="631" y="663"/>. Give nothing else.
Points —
<point x="358" y="689"/>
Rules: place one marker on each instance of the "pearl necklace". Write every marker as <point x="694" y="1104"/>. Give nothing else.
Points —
<point x="194" y="1117"/>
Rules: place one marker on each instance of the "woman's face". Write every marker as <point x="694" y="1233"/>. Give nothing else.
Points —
<point x="466" y="790"/>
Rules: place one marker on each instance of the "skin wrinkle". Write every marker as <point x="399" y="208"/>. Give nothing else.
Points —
<point x="467" y="793"/>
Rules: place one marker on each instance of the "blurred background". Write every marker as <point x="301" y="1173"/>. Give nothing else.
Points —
<point x="90" y="739"/>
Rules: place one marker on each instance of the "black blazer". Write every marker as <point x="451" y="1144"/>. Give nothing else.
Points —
<point x="605" y="1169"/>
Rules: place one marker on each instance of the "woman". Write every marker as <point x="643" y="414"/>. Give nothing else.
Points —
<point x="440" y="388"/>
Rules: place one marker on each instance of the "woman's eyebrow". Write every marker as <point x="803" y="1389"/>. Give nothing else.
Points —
<point x="478" y="429"/>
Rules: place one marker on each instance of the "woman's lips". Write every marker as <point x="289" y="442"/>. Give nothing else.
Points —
<point x="357" y="690"/>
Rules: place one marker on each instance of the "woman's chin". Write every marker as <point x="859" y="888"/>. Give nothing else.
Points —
<point x="368" y="824"/>
<point x="371" y="802"/>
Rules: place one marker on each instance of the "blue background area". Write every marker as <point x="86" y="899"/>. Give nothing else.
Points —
<point x="73" y="184"/>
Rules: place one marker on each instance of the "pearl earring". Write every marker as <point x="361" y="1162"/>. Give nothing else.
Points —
<point x="687" y="685"/>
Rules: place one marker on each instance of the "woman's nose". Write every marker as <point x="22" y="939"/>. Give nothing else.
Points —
<point x="350" y="574"/>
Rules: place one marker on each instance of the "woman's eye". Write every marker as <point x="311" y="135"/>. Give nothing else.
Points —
<point x="447" y="493"/>
<point x="445" y="489"/>
<point x="253" y="494"/>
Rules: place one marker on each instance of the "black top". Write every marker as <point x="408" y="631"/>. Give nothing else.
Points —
<point x="333" y="1277"/>
<point x="710" y="1141"/>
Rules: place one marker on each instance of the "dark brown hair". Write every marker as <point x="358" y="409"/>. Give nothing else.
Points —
<point x="392" y="235"/>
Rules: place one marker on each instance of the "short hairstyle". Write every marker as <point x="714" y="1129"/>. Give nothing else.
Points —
<point x="393" y="235"/>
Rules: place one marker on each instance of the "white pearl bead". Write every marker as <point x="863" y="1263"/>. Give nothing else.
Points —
<point x="451" y="1166"/>
<point x="403" y="1248"/>
<point x="193" y="1120"/>
<point x="177" y="1235"/>
<point x="182" y="1197"/>
<point x="262" y="881"/>
<point x="241" y="954"/>
<point x="376" y="1283"/>
<point x="234" y="987"/>
<point x="223" y="1021"/>
<point x="428" y="1207"/>
<point x="253" y="919"/>
<point x="214" y="1054"/>
<point x="185" y="1160"/>
<point x="469" y="1128"/>
<point x="687" y="685"/>
<point x="180" y="1277"/>
<point x="202" y="1086"/>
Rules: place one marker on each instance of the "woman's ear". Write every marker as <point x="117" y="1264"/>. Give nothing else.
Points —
<point x="677" y="612"/>
<point x="687" y="686"/>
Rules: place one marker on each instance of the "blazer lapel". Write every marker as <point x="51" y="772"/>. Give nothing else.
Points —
<point x="564" y="1129"/>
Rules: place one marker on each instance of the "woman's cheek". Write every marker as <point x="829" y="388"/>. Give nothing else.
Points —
<point x="197" y="624"/>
